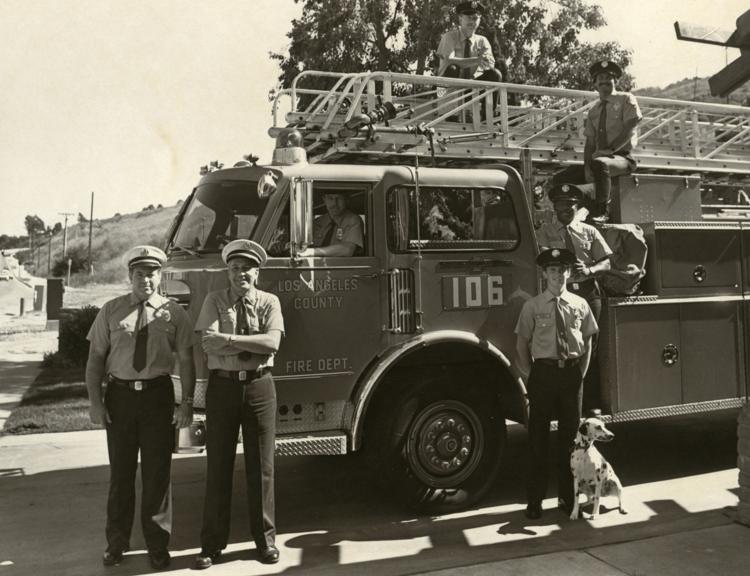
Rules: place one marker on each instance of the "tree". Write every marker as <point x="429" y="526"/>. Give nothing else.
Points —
<point x="34" y="225"/>
<point x="82" y="219"/>
<point x="538" y="41"/>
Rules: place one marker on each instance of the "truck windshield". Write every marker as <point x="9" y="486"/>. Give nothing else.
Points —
<point x="219" y="212"/>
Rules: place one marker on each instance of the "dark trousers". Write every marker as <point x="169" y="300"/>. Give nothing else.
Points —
<point x="141" y="421"/>
<point x="491" y="75"/>
<point x="604" y="168"/>
<point x="591" y="292"/>
<point x="229" y="405"/>
<point x="553" y="392"/>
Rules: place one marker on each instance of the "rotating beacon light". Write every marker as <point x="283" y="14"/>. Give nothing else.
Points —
<point x="289" y="149"/>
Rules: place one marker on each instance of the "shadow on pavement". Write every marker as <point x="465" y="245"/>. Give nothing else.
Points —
<point x="53" y="522"/>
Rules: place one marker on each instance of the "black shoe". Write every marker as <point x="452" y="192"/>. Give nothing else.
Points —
<point x="206" y="559"/>
<point x="269" y="555"/>
<point x="159" y="559"/>
<point x="112" y="558"/>
<point x="534" y="510"/>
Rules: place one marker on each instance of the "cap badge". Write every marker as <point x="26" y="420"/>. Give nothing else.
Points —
<point x="555" y="253"/>
<point x="144" y="252"/>
<point x="605" y="63"/>
<point x="566" y="188"/>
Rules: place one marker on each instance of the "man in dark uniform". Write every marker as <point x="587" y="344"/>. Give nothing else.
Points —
<point x="242" y="328"/>
<point x="133" y="341"/>
<point x="611" y="134"/>
<point x="553" y="343"/>
<point x="592" y="259"/>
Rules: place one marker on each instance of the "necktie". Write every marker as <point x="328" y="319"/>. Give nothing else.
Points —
<point x="141" y="338"/>
<point x="329" y="234"/>
<point x="466" y="71"/>
<point x="569" y="241"/>
<point x="601" y="135"/>
<point x="242" y="327"/>
<point x="562" y="338"/>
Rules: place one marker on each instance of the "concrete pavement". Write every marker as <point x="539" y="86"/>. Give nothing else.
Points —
<point x="53" y="493"/>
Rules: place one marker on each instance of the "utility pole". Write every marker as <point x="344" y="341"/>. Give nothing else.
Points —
<point x="65" y="232"/>
<point x="91" y="223"/>
<point x="49" y="253"/>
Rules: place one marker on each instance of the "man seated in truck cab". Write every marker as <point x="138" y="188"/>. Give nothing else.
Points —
<point x="338" y="232"/>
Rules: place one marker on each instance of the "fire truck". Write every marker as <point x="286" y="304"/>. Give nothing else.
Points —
<point x="406" y="351"/>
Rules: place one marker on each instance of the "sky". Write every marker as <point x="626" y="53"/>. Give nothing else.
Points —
<point x="128" y="98"/>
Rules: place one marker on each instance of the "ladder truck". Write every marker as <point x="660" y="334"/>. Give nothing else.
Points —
<point x="406" y="351"/>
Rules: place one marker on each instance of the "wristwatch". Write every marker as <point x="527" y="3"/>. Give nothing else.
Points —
<point x="188" y="400"/>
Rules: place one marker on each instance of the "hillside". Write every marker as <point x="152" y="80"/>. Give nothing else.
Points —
<point x="696" y="89"/>
<point x="111" y="237"/>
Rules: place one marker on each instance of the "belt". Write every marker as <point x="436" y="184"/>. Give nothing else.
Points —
<point x="140" y="385"/>
<point x="242" y="375"/>
<point x="577" y="285"/>
<point x="558" y="363"/>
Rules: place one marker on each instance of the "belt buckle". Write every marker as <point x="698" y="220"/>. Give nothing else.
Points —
<point x="576" y="286"/>
<point x="561" y="363"/>
<point x="242" y="375"/>
<point x="138" y="385"/>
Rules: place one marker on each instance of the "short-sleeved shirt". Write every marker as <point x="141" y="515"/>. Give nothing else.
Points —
<point x="452" y="45"/>
<point x="621" y="107"/>
<point x="537" y="324"/>
<point x="114" y="330"/>
<point x="590" y="246"/>
<point x="349" y="230"/>
<point x="218" y="314"/>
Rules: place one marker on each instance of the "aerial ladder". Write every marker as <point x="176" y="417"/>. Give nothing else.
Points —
<point x="385" y="117"/>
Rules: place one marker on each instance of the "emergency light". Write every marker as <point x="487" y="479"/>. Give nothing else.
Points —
<point x="289" y="148"/>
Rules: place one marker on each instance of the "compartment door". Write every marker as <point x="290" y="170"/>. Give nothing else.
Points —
<point x="711" y="351"/>
<point x="645" y="335"/>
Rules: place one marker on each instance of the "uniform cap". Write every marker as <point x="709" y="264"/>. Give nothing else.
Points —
<point x="145" y="256"/>
<point x="607" y="67"/>
<point x="569" y="192"/>
<point x="244" y="249"/>
<point x="555" y="257"/>
<point x="470" y="8"/>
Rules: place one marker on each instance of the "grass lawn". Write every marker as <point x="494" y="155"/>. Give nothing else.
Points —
<point x="55" y="402"/>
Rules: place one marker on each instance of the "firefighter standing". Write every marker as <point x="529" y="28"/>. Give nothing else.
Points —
<point x="611" y="134"/>
<point x="592" y="259"/>
<point x="553" y="343"/>
<point x="133" y="341"/>
<point x="242" y="328"/>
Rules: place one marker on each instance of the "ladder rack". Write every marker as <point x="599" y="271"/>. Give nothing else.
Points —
<point x="442" y="117"/>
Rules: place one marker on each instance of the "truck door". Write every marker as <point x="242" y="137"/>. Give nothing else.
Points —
<point x="467" y="242"/>
<point x="331" y="306"/>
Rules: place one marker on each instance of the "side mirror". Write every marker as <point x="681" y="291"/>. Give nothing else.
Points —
<point x="301" y="215"/>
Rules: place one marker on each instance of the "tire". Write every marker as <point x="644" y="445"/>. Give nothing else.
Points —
<point x="437" y="447"/>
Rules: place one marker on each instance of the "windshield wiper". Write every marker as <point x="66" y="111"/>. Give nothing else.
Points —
<point x="186" y="250"/>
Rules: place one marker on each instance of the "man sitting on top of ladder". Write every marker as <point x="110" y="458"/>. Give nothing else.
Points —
<point x="463" y="52"/>
<point x="611" y="134"/>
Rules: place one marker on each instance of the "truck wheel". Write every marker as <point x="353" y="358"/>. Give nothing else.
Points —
<point x="439" y="448"/>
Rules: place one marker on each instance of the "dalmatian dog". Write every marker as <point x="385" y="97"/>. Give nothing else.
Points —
<point x="592" y="474"/>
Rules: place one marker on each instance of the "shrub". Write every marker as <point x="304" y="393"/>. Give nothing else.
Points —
<point x="78" y="256"/>
<point x="73" y="348"/>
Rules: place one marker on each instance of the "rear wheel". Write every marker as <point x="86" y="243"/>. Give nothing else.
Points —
<point x="438" y="447"/>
